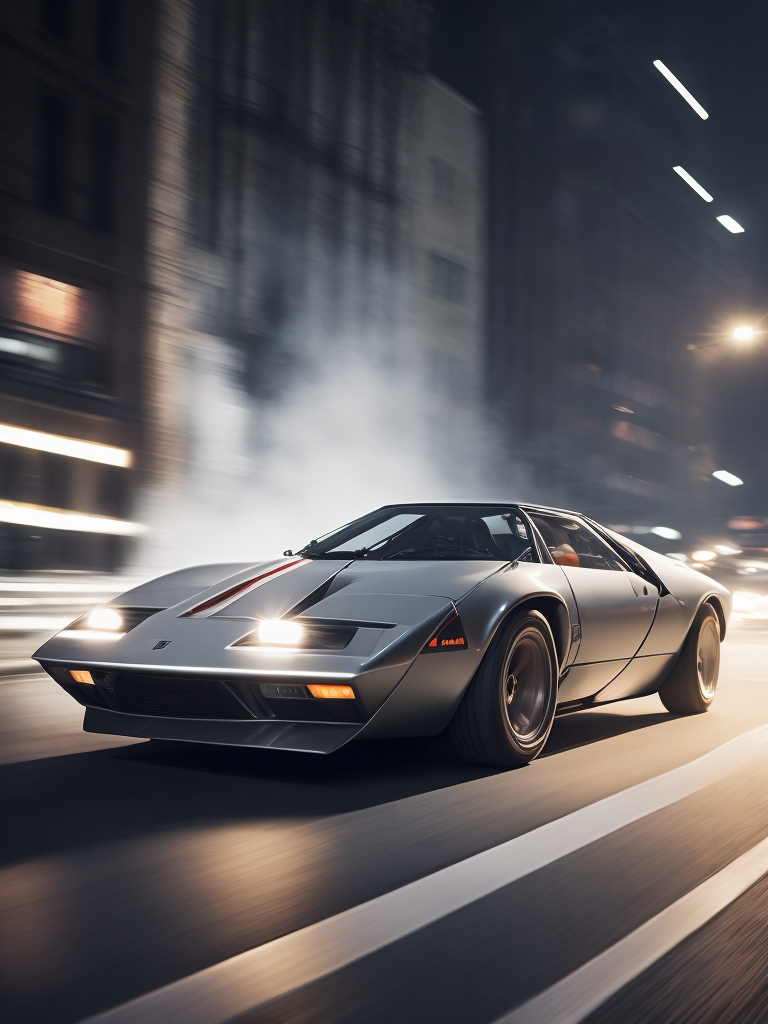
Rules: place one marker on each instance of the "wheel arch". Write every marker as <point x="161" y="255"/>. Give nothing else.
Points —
<point x="555" y="611"/>
<point x="714" y="601"/>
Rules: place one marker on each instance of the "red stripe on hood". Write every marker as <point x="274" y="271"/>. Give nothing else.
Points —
<point x="241" y="587"/>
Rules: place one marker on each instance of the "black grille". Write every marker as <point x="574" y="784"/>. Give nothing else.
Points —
<point x="173" y="697"/>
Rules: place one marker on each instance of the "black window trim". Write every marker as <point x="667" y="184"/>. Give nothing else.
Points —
<point x="541" y="548"/>
<point x="592" y="527"/>
<point x="645" y="571"/>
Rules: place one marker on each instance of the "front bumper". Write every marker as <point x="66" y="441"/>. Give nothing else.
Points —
<point x="309" y="737"/>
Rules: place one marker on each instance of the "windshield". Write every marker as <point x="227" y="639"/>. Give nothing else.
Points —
<point x="430" y="532"/>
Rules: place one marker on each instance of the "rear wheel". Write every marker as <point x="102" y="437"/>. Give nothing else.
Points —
<point x="506" y="714"/>
<point x="690" y="687"/>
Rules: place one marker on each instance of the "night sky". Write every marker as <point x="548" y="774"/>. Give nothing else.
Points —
<point x="717" y="50"/>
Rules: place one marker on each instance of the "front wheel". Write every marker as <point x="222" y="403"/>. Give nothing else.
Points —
<point x="507" y="712"/>
<point x="690" y="687"/>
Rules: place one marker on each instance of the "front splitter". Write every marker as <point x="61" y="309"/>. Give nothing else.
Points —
<point x="305" y="737"/>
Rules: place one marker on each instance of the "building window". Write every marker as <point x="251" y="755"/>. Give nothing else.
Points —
<point x="104" y="154"/>
<point x="447" y="279"/>
<point x="51" y="328"/>
<point x="54" y="17"/>
<point x="108" y="32"/>
<point x="54" y="141"/>
<point x="443" y="182"/>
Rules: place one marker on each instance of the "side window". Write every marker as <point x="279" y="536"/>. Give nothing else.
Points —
<point x="510" y="536"/>
<point x="571" y="543"/>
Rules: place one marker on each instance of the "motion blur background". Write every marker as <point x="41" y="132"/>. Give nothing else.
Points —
<point x="267" y="264"/>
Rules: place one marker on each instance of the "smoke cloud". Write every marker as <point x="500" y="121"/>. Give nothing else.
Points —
<point x="352" y="433"/>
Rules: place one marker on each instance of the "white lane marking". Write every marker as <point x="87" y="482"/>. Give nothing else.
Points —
<point x="578" y="994"/>
<point x="244" y="982"/>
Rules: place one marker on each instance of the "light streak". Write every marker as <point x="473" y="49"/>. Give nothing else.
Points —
<point x="690" y="180"/>
<point x="727" y="478"/>
<point x="733" y="225"/>
<point x="70" y="446"/>
<point x="677" y="84"/>
<point x="61" y="519"/>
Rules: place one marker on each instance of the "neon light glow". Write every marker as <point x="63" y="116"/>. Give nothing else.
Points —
<point x="58" y="445"/>
<point x="60" y="519"/>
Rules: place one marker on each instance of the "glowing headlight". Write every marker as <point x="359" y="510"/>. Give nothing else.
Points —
<point x="280" y="631"/>
<point x="104" y="618"/>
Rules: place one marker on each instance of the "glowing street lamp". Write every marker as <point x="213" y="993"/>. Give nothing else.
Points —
<point x="744" y="333"/>
<point x="727" y="478"/>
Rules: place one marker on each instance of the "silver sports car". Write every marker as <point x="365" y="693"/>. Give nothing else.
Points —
<point x="485" y="620"/>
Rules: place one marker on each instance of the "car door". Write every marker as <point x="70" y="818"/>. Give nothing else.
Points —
<point x="616" y="606"/>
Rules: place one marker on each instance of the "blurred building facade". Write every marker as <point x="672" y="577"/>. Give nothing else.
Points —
<point x="241" y="191"/>
<point x="336" y="221"/>
<point x="605" y="267"/>
<point x="73" y="133"/>
<point x="449" y="241"/>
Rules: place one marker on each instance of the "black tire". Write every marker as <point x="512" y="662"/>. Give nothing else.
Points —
<point x="690" y="687"/>
<point x="507" y="712"/>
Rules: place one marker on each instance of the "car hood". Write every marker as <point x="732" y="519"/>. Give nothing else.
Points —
<point x="394" y="591"/>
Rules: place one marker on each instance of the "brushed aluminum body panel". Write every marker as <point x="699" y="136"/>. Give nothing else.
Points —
<point x="641" y="677"/>
<point x="404" y="691"/>
<point x="614" y="617"/>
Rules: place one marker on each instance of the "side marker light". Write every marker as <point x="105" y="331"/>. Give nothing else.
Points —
<point x="450" y="636"/>
<point x="331" y="692"/>
<point x="81" y="676"/>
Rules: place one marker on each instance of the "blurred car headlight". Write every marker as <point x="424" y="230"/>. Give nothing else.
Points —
<point x="280" y="632"/>
<point x="104" y="618"/>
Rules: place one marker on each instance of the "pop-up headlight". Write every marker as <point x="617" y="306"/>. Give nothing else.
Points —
<point x="99" y="624"/>
<point x="104" y="618"/>
<point x="281" y="632"/>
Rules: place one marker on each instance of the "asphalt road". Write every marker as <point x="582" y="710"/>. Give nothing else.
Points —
<point x="128" y="865"/>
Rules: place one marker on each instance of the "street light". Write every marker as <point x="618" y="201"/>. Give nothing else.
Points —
<point x="727" y="478"/>
<point x="744" y="333"/>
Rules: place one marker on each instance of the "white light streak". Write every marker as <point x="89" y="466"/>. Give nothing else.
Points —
<point x="61" y="519"/>
<point x="699" y="189"/>
<point x="30" y="623"/>
<point x="58" y="445"/>
<point x="727" y="478"/>
<point x="88" y="634"/>
<point x="677" y="84"/>
<point x="55" y="587"/>
<point x="666" y="532"/>
<point x="726" y="549"/>
<point x="733" y="225"/>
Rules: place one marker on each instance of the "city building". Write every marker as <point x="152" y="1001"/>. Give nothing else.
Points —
<point x="207" y="204"/>
<point x="75" y="84"/>
<point x="606" y="269"/>
<point x="449" y="242"/>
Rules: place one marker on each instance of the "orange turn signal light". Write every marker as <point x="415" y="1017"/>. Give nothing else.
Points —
<point x="81" y="676"/>
<point x="333" y="692"/>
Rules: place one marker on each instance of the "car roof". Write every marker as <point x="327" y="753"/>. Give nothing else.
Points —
<point x="488" y="504"/>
